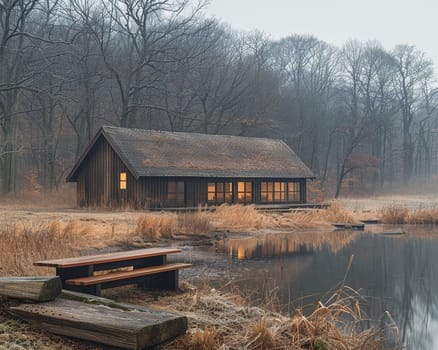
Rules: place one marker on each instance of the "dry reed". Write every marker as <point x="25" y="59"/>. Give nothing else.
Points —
<point x="238" y="216"/>
<point x="197" y="223"/>
<point x="337" y="324"/>
<point x="337" y="213"/>
<point x="396" y="215"/>
<point x="205" y="339"/>
<point x="20" y="246"/>
<point x="152" y="227"/>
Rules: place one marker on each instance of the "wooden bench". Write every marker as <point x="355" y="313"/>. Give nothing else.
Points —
<point x="149" y="269"/>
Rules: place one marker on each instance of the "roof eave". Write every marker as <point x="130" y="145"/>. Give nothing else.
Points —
<point x="72" y="175"/>
<point x="120" y="154"/>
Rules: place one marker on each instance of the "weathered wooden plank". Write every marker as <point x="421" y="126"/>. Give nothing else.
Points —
<point x="30" y="288"/>
<point x="112" y="326"/>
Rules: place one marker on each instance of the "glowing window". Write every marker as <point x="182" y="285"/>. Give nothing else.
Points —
<point x="220" y="192"/>
<point x="273" y="191"/>
<point x="211" y="191"/>
<point x="244" y="192"/>
<point x="123" y="181"/>
<point x="294" y="193"/>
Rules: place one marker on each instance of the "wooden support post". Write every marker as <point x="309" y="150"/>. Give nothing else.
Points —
<point x="73" y="272"/>
<point x="166" y="280"/>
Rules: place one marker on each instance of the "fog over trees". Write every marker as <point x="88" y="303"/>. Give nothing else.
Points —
<point x="362" y="117"/>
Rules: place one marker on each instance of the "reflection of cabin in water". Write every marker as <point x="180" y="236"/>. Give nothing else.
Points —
<point x="159" y="169"/>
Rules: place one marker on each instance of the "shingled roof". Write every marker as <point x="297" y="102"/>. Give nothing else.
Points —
<point x="163" y="153"/>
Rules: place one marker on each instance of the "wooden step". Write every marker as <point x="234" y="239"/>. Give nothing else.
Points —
<point x="122" y="275"/>
<point x="141" y="328"/>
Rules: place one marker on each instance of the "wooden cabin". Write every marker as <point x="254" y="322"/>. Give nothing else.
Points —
<point x="158" y="169"/>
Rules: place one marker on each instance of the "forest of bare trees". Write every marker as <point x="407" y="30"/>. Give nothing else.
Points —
<point x="361" y="116"/>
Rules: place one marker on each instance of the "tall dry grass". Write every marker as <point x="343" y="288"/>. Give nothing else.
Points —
<point x="153" y="226"/>
<point x="196" y="223"/>
<point x="397" y="215"/>
<point x="20" y="246"/>
<point x="239" y="216"/>
<point x="236" y="218"/>
<point x="337" y="213"/>
<point x="339" y="323"/>
<point x="167" y="225"/>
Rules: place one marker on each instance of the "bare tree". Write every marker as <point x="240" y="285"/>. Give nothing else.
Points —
<point x="412" y="69"/>
<point x="135" y="39"/>
<point x="308" y="70"/>
<point x="218" y="82"/>
<point x="14" y="77"/>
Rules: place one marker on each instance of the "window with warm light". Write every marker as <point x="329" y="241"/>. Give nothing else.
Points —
<point x="220" y="192"/>
<point x="294" y="193"/>
<point x="244" y="191"/>
<point x="123" y="181"/>
<point x="280" y="191"/>
<point x="273" y="191"/>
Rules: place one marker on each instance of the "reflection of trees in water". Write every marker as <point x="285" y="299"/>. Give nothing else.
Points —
<point x="394" y="273"/>
<point x="398" y="275"/>
<point x="271" y="245"/>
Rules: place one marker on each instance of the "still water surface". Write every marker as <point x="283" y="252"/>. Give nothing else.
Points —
<point x="398" y="273"/>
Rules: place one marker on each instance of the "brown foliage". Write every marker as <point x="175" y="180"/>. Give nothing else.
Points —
<point x="21" y="246"/>
<point x="396" y="215"/>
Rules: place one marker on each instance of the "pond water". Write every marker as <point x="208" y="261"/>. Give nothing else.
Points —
<point x="398" y="273"/>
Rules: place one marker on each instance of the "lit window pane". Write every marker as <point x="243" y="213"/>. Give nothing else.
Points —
<point x="122" y="183"/>
<point x="248" y="186"/>
<point x="240" y="186"/>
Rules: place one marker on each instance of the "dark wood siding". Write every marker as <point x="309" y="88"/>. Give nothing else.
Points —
<point x="98" y="178"/>
<point x="98" y="184"/>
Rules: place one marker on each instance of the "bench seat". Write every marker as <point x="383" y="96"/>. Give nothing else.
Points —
<point x="121" y="275"/>
<point x="152" y="277"/>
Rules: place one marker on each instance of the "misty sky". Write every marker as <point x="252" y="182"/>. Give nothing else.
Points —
<point x="389" y="21"/>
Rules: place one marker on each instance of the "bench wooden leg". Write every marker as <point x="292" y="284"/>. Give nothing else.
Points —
<point x="94" y="289"/>
<point x="166" y="280"/>
<point x="73" y="272"/>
